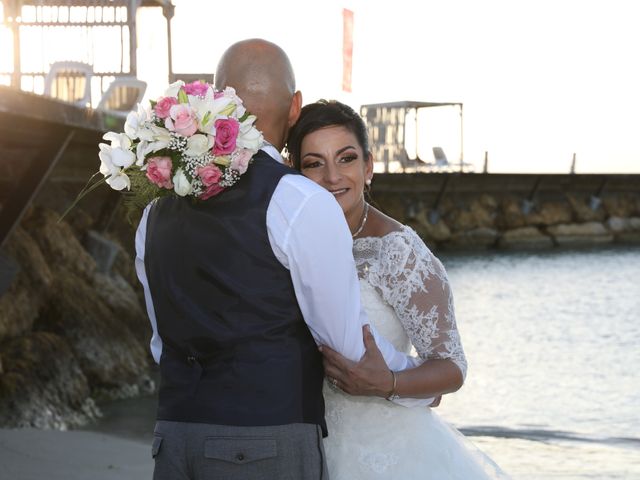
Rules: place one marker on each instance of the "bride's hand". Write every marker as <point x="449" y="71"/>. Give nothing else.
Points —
<point x="370" y="376"/>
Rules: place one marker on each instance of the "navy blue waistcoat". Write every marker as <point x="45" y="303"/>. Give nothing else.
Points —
<point x="236" y="350"/>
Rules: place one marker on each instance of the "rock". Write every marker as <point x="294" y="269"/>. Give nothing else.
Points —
<point x="477" y="238"/>
<point x="550" y="213"/>
<point x="58" y="243"/>
<point x="580" y="234"/>
<point x="461" y="219"/>
<point x="620" y="205"/>
<point x="626" y="230"/>
<point x="42" y="384"/>
<point x="108" y="351"/>
<point x="438" y="232"/>
<point x="524" y="237"/>
<point x="124" y="303"/>
<point x="102" y="250"/>
<point x="18" y="312"/>
<point x="24" y="249"/>
<point x="583" y="211"/>
<point x="509" y="214"/>
<point x="484" y="210"/>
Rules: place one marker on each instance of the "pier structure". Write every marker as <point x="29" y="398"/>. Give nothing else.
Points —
<point x="99" y="35"/>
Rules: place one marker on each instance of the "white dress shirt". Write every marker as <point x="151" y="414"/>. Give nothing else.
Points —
<point x="310" y="237"/>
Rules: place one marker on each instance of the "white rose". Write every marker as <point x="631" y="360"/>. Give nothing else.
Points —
<point x="198" y="144"/>
<point x="173" y="89"/>
<point x="120" y="181"/>
<point x="181" y="184"/>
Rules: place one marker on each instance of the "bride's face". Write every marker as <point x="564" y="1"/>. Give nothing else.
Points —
<point x="333" y="158"/>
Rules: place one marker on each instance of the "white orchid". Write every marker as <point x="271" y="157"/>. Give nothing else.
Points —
<point x="115" y="157"/>
<point x="136" y="120"/>
<point x="198" y="145"/>
<point x="118" y="140"/>
<point x="112" y="165"/>
<point x="181" y="184"/>
<point x="119" y="181"/>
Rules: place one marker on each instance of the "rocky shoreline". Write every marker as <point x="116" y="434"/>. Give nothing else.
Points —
<point x="489" y="221"/>
<point x="72" y="332"/>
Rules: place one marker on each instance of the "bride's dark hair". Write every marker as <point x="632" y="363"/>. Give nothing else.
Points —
<point x="322" y="114"/>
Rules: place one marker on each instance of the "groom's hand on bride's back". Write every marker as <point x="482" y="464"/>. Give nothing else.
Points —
<point x="370" y="376"/>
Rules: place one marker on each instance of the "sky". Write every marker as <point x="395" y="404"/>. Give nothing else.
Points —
<point x="540" y="80"/>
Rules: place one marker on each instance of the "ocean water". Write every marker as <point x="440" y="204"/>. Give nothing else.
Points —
<point x="553" y="344"/>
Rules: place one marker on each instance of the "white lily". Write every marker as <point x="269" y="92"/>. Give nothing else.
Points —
<point x="173" y="89"/>
<point x="249" y="136"/>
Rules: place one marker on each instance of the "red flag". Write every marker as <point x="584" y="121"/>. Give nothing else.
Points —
<point x="347" y="48"/>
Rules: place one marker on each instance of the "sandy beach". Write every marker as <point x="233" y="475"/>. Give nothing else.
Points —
<point x="30" y="454"/>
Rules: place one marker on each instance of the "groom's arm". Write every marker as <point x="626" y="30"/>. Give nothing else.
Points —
<point x="141" y="234"/>
<point x="310" y="237"/>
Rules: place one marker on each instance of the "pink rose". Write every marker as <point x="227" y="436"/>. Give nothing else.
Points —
<point x="164" y="105"/>
<point x="197" y="88"/>
<point x="226" y="135"/>
<point x="159" y="171"/>
<point x="209" y="175"/>
<point x="211" y="191"/>
<point x="241" y="161"/>
<point x="182" y="119"/>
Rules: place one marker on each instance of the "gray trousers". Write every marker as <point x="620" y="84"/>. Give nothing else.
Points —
<point x="198" y="451"/>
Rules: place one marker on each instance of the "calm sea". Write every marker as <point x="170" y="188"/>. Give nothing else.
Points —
<point x="553" y="344"/>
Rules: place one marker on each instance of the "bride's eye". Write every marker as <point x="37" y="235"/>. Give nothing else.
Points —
<point x="313" y="164"/>
<point x="348" y="158"/>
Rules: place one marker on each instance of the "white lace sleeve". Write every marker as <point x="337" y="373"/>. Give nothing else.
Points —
<point x="414" y="282"/>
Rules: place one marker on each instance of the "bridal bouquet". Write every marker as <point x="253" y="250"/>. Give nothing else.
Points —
<point x="193" y="141"/>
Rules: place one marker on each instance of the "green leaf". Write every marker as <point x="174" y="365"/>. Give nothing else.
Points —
<point x="182" y="96"/>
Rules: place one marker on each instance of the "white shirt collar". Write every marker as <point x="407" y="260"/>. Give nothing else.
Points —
<point x="272" y="152"/>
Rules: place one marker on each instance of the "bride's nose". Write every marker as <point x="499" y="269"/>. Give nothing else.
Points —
<point x="332" y="173"/>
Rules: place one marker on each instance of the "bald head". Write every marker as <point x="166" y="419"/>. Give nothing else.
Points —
<point x="262" y="75"/>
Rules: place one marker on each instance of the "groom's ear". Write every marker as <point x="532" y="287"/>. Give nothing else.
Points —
<point x="294" y="109"/>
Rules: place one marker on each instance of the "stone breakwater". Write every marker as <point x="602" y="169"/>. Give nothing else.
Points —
<point x="481" y="215"/>
<point x="72" y="332"/>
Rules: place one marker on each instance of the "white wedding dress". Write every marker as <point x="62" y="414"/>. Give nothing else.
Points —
<point x="406" y="294"/>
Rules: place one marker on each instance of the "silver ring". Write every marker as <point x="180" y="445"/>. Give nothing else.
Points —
<point x="334" y="382"/>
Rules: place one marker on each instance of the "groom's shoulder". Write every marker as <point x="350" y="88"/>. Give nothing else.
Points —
<point x="294" y="184"/>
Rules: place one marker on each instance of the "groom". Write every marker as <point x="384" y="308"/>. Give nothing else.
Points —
<point x="240" y="289"/>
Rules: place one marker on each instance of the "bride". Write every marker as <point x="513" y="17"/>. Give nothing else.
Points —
<point x="407" y="297"/>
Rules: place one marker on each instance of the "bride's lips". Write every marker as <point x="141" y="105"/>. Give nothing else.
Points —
<point x="338" y="191"/>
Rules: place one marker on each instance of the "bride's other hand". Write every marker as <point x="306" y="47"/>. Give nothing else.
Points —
<point x="370" y="376"/>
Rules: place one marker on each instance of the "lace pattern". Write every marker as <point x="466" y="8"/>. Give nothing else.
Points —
<point x="415" y="284"/>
